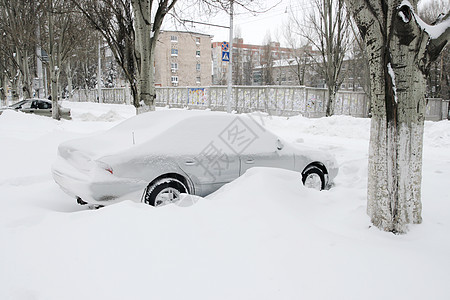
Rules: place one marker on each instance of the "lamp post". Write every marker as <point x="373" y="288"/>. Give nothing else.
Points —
<point x="230" y="63"/>
<point x="99" y="72"/>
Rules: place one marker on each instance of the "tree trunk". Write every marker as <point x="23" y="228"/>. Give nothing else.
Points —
<point x="399" y="52"/>
<point x="3" y="87"/>
<point x="69" y="80"/>
<point x="27" y="81"/>
<point x="15" y="90"/>
<point x="54" y="79"/>
<point x="53" y="66"/>
<point x="332" y="90"/>
<point x="144" y="47"/>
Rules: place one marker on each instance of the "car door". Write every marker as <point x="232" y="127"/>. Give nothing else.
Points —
<point x="275" y="155"/>
<point x="264" y="150"/>
<point x="206" y="159"/>
<point x="44" y="108"/>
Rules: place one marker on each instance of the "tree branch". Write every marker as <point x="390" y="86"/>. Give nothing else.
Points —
<point x="436" y="45"/>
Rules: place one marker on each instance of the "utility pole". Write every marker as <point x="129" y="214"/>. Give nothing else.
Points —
<point x="99" y="72"/>
<point x="230" y="63"/>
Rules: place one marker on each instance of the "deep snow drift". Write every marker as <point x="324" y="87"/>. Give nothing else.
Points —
<point x="263" y="236"/>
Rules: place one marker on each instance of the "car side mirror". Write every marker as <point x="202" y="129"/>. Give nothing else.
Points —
<point x="280" y="145"/>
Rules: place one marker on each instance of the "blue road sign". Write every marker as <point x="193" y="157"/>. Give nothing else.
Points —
<point x="225" y="56"/>
<point x="225" y="46"/>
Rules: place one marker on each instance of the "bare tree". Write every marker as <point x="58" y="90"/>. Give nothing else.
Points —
<point x="243" y="60"/>
<point x="80" y="68"/>
<point x="238" y="58"/>
<point x="114" y="20"/>
<point x="18" y="23"/>
<point x="267" y="61"/>
<point x="400" y="47"/>
<point x="147" y="32"/>
<point x="358" y="66"/>
<point x="249" y="65"/>
<point x="301" y="52"/>
<point x="131" y="29"/>
<point x="327" y="29"/>
<point x="62" y="36"/>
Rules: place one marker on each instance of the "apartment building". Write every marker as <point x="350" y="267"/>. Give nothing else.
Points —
<point x="183" y="59"/>
<point x="304" y="71"/>
<point x="245" y="58"/>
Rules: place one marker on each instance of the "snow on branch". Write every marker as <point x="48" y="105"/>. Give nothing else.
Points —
<point x="434" y="31"/>
<point x="439" y="33"/>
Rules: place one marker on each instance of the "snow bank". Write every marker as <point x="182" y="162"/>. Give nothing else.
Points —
<point x="263" y="236"/>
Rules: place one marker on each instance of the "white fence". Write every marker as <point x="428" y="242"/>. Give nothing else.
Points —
<point x="437" y="109"/>
<point x="275" y="100"/>
<point x="113" y="96"/>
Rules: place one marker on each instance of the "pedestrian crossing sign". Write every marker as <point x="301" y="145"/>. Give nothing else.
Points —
<point x="225" y="56"/>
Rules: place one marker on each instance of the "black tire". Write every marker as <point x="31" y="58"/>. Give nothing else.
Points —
<point x="311" y="177"/>
<point x="81" y="201"/>
<point x="164" y="191"/>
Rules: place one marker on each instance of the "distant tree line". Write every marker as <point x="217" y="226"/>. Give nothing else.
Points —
<point x="62" y="37"/>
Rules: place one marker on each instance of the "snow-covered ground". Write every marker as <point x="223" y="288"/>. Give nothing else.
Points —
<point x="263" y="236"/>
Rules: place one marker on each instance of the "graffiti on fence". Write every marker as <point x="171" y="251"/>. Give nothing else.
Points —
<point x="197" y="96"/>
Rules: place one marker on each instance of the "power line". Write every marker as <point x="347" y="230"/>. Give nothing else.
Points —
<point x="202" y="23"/>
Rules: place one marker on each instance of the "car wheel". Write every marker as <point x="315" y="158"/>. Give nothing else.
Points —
<point x="164" y="191"/>
<point x="314" y="178"/>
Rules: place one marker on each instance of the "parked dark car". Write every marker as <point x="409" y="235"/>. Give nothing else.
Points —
<point x="42" y="107"/>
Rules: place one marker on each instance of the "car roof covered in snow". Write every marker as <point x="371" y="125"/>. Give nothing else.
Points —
<point x="145" y="128"/>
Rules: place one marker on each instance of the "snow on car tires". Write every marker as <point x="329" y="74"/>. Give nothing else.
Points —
<point x="314" y="177"/>
<point x="164" y="191"/>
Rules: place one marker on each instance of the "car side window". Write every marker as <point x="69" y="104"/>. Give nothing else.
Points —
<point x="44" y="105"/>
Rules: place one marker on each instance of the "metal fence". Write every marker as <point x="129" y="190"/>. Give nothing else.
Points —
<point x="109" y="95"/>
<point x="437" y="109"/>
<point x="275" y="100"/>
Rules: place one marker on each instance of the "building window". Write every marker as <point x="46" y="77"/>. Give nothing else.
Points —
<point x="174" y="79"/>
<point x="174" y="38"/>
<point x="197" y="67"/>
<point x="197" y="40"/>
<point x="198" y="79"/>
<point x="174" y="52"/>
<point x="197" y="53"/>
<point x="174" y="67"/>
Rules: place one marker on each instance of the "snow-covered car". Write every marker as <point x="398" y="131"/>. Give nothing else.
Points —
<point x="153" y="157"/>
<point x="37" y="106"/>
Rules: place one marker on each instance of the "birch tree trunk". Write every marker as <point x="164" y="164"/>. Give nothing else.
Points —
<point x="69" y="80"/>
<point x="400" y="52"/>
<point x="3" y="81"/>
<point x="146" y="90"/>
<point x="27" y="81"/>
<point x="147" y="32"/>
<point x="52" y="63"/>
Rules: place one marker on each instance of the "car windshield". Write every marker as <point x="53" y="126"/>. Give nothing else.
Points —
<point x="26" y="104"/>
<point x="18" y="104"/>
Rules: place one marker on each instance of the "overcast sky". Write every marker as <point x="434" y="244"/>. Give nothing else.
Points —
<point x="254" y="27"/>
